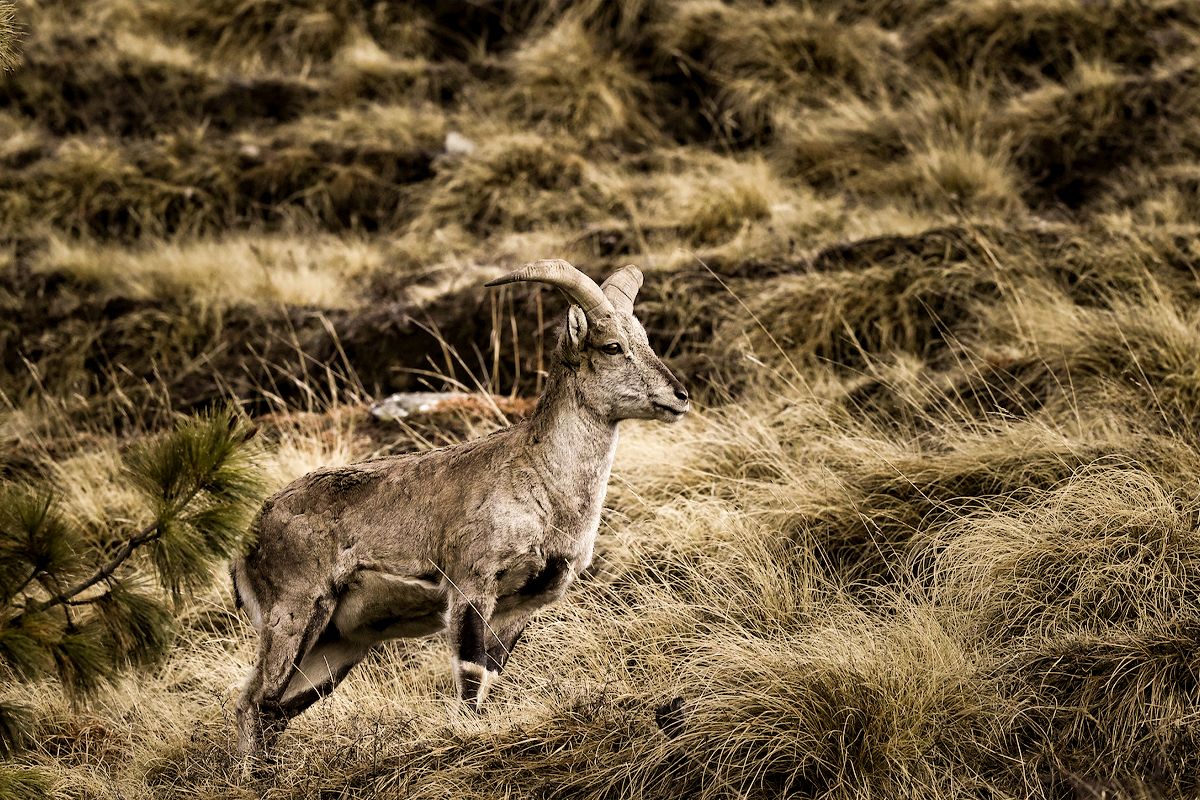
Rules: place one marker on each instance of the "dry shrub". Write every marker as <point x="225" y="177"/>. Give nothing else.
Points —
<point x="932" y="246"/>
<point x="71" y="86"/>
<point x="567" y="78"/>
<point x="98" y="74"/>
<point x="935" y="146"/>
<point x="102" y="362"/>
<point x="1153" y="350"/>
<point x="473" y="30"/>
<point x="127" y="364"/>
<point x="22" y="141"/>
<point x="399" y="132"/>
<point x="1153" y="196"/>
<point x="350" y="170"/>
<point x="850" y="708"/>
<point x="1109" y="268"/>
<point x="587" y="743"/>
<point x="363" y="72"/>
<point x="888" y="14"/>
<point x="1109" y="714"/>
<point x="327" y="173"/>
<point x="738" y="66"/>
<point x="847" y="318"/>
<point x="1097" y="321"/>
<point x="886" y="509"/>
<point x="954" y="176"/>
<point x="514" y="183"/>
<point x="1136" y="354"/>
<point x="724" y="206"/>
<point x="1125" y="360"/>
<point x="288" y="36"/>
<point x="1128" y="361"/>
<point x="1070" y="138"/>
<point x="1072" y="143"/>
<point x="109" y="189"/>
<point x="144" y="73"/>
<point x="296" y="186"/>
<point x="741" y="217"/>
<point x="832" y="147"/>
<point x="98" y="187"/>
<point x="720" y="570"/>
<point x="975" y="388"/>
<point x="1024" y="42"/>
<point x="1112" y="547"/>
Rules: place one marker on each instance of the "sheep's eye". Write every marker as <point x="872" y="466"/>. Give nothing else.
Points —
<point x="612" y="348"/>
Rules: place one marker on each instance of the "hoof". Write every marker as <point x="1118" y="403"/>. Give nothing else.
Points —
<point x="255" y="768"/>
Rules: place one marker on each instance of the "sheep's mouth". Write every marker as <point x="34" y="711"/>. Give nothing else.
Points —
<point x="673" y="413"/>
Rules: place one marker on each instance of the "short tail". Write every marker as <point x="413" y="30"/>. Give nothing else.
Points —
<point x="243" y="597"/>
<point x="243" y="594"/>
<point x="237" y="594"/>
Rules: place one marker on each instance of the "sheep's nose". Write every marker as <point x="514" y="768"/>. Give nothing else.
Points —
<point x="681" y="393"/>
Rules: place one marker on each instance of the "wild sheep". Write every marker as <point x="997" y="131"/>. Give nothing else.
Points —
<point x="471" y="538"/>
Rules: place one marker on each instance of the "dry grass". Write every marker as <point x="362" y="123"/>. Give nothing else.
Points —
<point x="255" y="270"/>
<point x="1025" y="42"/>
<point x="706" y="595"/>
<point x="565" y="79"/>
<point x="514" y="183"/>
<point x="806" y="57"/>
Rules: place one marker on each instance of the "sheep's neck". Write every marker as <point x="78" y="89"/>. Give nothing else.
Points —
<point x="575" y="445"/>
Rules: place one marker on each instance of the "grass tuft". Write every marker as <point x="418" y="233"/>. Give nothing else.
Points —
<point x="514" y="183"/>
<point x="848" y="710"/>
<point x="1024" y="43"/>
<point x="1110" y="713"/>
<point x="1111" y="548"/>
<point x="566" y="79"/>
<point x="730" y="56"/>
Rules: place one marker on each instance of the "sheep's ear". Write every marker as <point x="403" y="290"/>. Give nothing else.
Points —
<point x="577" y="327"/>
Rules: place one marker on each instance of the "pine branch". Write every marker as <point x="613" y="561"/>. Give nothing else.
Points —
<point x="229" y="438"/>
<point x="29" y="580"/>
<point x="145" y="536"/>
<point x="198" y="484"/>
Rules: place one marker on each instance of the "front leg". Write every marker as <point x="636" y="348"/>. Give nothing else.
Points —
<point x="501" y="645"/>
<point x="542" y="588"/>
<point x="470" y="630"/>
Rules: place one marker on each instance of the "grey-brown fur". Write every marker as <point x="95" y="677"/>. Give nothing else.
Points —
<point x="472" y="538"/>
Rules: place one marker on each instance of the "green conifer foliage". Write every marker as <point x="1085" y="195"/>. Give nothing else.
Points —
<point x="80" y="611"/>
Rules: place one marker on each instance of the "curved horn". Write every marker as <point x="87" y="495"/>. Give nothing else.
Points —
<point x="622" y="287"/>
<point x="579" y="287"/>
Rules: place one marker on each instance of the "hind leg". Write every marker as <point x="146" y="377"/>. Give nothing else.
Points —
<point x="289" y="632"/>
<point x="326" y="665"/>
<point x="320" y="671"/>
